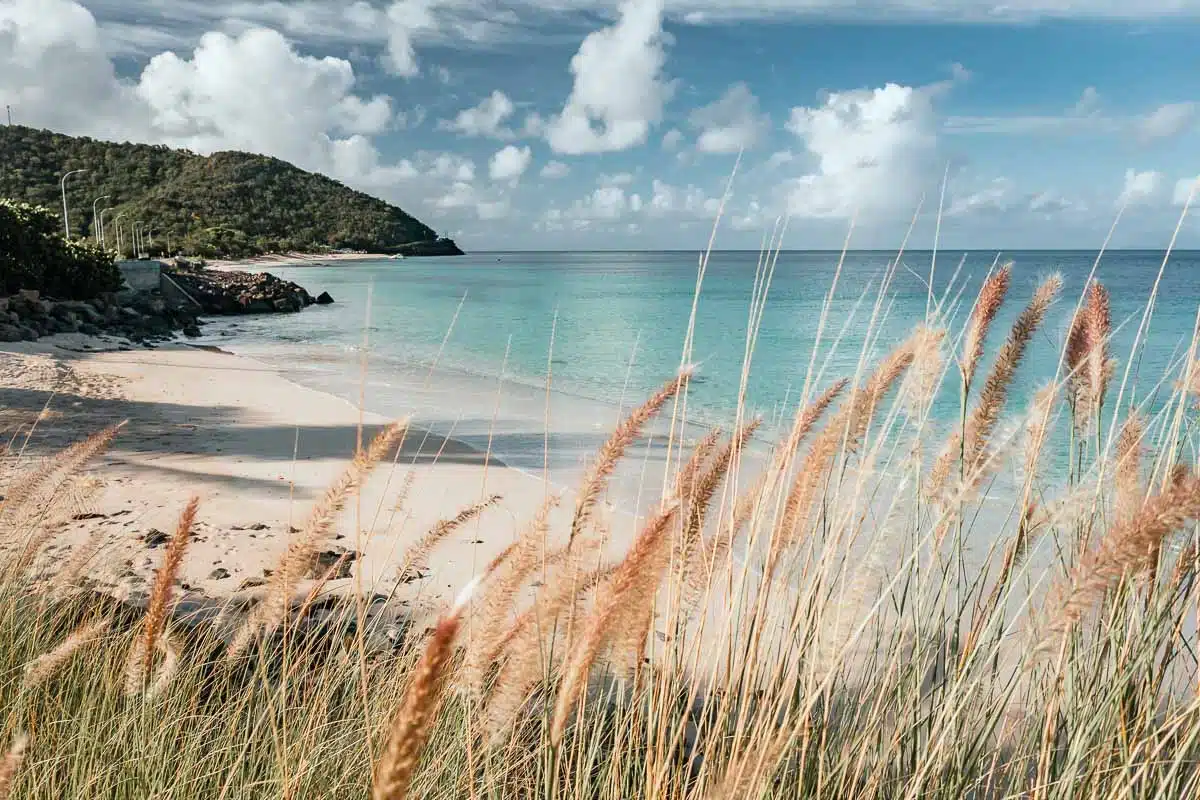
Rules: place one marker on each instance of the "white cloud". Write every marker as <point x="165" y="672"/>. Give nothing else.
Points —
<point x="671" y="139"/>
<point x="690" y="200"/>
<point x="779" y="158"/>
<point x="404" y="19"/>
<point x="1185" y="188"/>
<point x="619" y="90"/>
<point x="485" y="119"/>
<point x="1049" y="203"/>
<point x="615" y="179"/>
<point x="1088" y="103"/>
<point x="1140" y="187"/>
<point x="555" y="170"/>
<point x="995" y="197"/>
<point x="255" y="92"/>
<point x="730" y="124"/>
<point x="1166" y="121"/>
<point x="509" y="163"/>
<point x="874" y="152"/>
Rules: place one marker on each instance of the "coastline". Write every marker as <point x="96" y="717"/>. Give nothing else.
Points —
<point x="291" y="260"/>
<point x="259" y="450"/>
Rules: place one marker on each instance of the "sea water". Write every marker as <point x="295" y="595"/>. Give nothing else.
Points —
<point x="469" y="344"/>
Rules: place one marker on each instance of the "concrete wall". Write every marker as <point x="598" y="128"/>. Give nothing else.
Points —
<point x="141" y="276"/>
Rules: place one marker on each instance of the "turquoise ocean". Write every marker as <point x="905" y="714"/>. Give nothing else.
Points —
<point x="607" y="327"/>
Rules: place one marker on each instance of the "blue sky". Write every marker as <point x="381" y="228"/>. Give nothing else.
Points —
<point x="578" y="124"/>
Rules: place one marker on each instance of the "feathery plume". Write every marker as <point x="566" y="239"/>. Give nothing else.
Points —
<point x="45" y="666"/>
<point x="1127" y="547"/>
<point x="845" y="429"/>
<point x="926" y="371"/>
<point x="982" y="421"/>
<point x="164" y="583"/>
<point x="12" y="763"/>
<point x="523" y="644"/>
<point x="611" y="452"/>
<point x="1087" y="356"/>
<point x="1127" y="471"/>
<point x="497" y="596"/>
<point x="40" y="485"/>
<point x="443" y="528"/>
<point x="642" y="567"/>
<point x="268" y="614"/>
<point x="987" y="305"/>
<point x="413" y="720"/>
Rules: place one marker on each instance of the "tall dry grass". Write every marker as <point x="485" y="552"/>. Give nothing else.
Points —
<point x="792" y="620"/>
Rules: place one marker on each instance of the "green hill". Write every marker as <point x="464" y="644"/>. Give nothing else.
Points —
<point x="227" y="204"/>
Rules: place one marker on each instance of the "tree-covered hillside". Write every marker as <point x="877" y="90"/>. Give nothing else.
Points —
<point x="232" y="204"/>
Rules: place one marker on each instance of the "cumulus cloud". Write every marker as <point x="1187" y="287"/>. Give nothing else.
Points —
<point x="1140" y="187"/>
<point x="671" y="139"/>
<point x="995" y="197"/>
<point x="509" y="163"/>
<point x="1186" y="188"/>
<point x="555" y="170"/>
<point x="1166" y="121"/>
<point x="404" y="20"/>
<point x="615" y="179"/>
<point x="485" y="119"/>
<point x="874" y="151"/>
<point x="1088" y="103"/>
<point x="730" y="124"/>
<point x="689" y="200"/>
<point x="619" y="89"/>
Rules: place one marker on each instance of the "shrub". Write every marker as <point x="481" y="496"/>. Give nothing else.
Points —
<point x="34" y="256"/>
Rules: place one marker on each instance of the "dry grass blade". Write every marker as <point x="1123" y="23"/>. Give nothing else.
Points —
<point x="705" y="486"/>
<point x="982" y="422"/>
<point x="164" y="583"/>
<point x="45" y="666"/>
<point x="611" y="452"/>
<point x="525" y="654"/>
<point x="844" y="431"/>
<point x="413" y="720"/>
<point x="441" y="529"/>
<point x="12" y="763"/>
<point x="642" y="567"/>
<point x="298" y="559"/>
<point x="987" y="305"/>
<point x="497" y="596"/>
<point x="1127" y="548"/>
<point x="1127" y="471"/>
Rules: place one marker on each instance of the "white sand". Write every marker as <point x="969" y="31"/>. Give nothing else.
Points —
<point x="259" y="451"/>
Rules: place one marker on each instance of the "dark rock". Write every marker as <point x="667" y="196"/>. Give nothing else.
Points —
<point x="218" y="574"/>
<point x="155" y="538"/>
<point x="339" y="557"/>
<point x="191" y="331"/>
<point x="324" y="299"/>
<point x="10" y="333"/>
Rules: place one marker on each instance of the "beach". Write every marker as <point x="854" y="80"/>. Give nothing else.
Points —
<point x="259" y="450"/>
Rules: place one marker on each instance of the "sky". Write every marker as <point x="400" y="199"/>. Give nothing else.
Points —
<point x="584" y="124"/>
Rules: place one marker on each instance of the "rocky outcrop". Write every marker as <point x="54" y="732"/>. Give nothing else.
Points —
<point x="433" y="247"/>
<point x="140" y="317"/>
<point x="242" y="292"/>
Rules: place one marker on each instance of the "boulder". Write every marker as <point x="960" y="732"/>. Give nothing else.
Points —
<point x="324" y="299"/>
<point x="10" y="333"/>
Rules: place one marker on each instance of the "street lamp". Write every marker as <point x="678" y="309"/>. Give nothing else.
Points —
<point x="66" y="217"/>
<point x="103" y="238"/>
<point x="117" y="222"/>
<point x="95" y="216"/>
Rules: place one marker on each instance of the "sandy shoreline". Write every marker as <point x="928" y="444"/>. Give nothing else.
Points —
<point x="293" y="260"/>
<point x="259" y="450"/>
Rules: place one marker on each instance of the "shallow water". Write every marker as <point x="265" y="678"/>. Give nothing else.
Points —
<point x="609" y="327"/>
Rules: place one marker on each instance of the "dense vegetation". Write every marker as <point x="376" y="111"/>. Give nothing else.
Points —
<point x="227" y="204"/>
<point x="34" y="255"/>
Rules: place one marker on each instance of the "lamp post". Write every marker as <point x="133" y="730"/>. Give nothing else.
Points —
<point x="96" y="217"/>
<point x="66" y="214"/>
<point x="117" y="222"/>
<point x="103" y="238"/>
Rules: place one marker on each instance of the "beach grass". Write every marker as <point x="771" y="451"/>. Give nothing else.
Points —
<point x="880" y="608"/>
